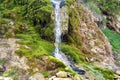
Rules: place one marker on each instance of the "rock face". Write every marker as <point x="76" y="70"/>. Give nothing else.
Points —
<point x="118" y="23"/>
<point x="85" y="34"/>
<point x="22" y="66"/>
<point x="62" y="76"/>
<point x="37" y="76"/>
<point x="12" y="60"/>
<point x="114" y="22"/>
<point x="7" y="78"/>
<point x="64" y="19"/>
<point x="7" y="52"/>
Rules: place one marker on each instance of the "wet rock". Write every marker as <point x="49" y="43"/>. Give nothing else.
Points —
<point x="62" y="74"/>
<point x="37" y="76"/>
<point x="64" y="19"/>
<point x="79" y="71"/>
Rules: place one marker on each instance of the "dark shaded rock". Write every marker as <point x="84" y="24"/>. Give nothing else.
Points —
<point x="79" y="71"/>
<point x="61" y="4"/>
<point x="2" y="68"/>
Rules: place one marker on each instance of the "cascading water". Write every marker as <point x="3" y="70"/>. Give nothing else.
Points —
<point x="57" y="28"/>
<point x="57" y="4"/>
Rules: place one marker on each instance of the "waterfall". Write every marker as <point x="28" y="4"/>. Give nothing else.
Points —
<point x="57" y="4"/>
<point x="57" y="29"/>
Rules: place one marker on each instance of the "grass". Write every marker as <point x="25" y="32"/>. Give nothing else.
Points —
<point x="46" y="74"/>
<point x="11" y="73"/>
<point x="100" y="73"/>
<point x="94" y="7"/>
<point x="33" y="45"/>
<point x="73" y="52"/>
<point x="114" y="39"/>
<point x="1" y="61"/>
<point x="108" y="74"/>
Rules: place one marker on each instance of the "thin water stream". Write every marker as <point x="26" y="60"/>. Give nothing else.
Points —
<point x="57" y="4"/>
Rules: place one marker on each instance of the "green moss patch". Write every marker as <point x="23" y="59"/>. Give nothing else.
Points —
<point x="114" y="39"/>
<point x="73" y="52"/>
<point x="108" y="74"/>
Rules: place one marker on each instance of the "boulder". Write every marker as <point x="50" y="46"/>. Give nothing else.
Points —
<point x="8" y="78"/>
<point x="37" y="76"/>
<point x="62" y="79"/>
<point x="5" y="78"/>
<point x="62" y="74"/>
<point x="118" y="72"/>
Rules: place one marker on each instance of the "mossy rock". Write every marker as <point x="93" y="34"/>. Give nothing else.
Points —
<point x="57" y="63"/>
<point x="108" y="74"/>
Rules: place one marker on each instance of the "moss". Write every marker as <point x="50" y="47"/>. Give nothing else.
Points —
<point x="2" y="61"/>
<point x="58" y="62"/>
<point x="35" y="48"/>
<point x="35" y="45"/>
<point x="114" y="39"/>
<point x="73" y="52"/>
<point x="94" y="7"/>
<point x="11" y="73"/>
<point x="98" y="72"/>
<point x="75" y="16"/>
<point x="98" y="75"/>
<point x="8" y="35"/>
<point x="46" y="74"/>
<point x="108" y="74"/>
<point x="69" y="2"/>
<point x="3" y="21"/>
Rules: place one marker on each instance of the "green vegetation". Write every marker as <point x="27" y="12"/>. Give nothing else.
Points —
<point x="34" y="27"/>
<point x="1" y="61"/>
<point x="109" y="6"/>
<point x="11" y="73"/>
<point x="94" y="7"/>
<point x="73" y="52"/>
<point x="69" y="2"/>
<point x="37" y="14"/>
<point x="114" y="39"/>
<point x="108" y="74"/>
<point x="46" y="74"/>
<point x="99" y="72"/>
<point x="32" y="45"/>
